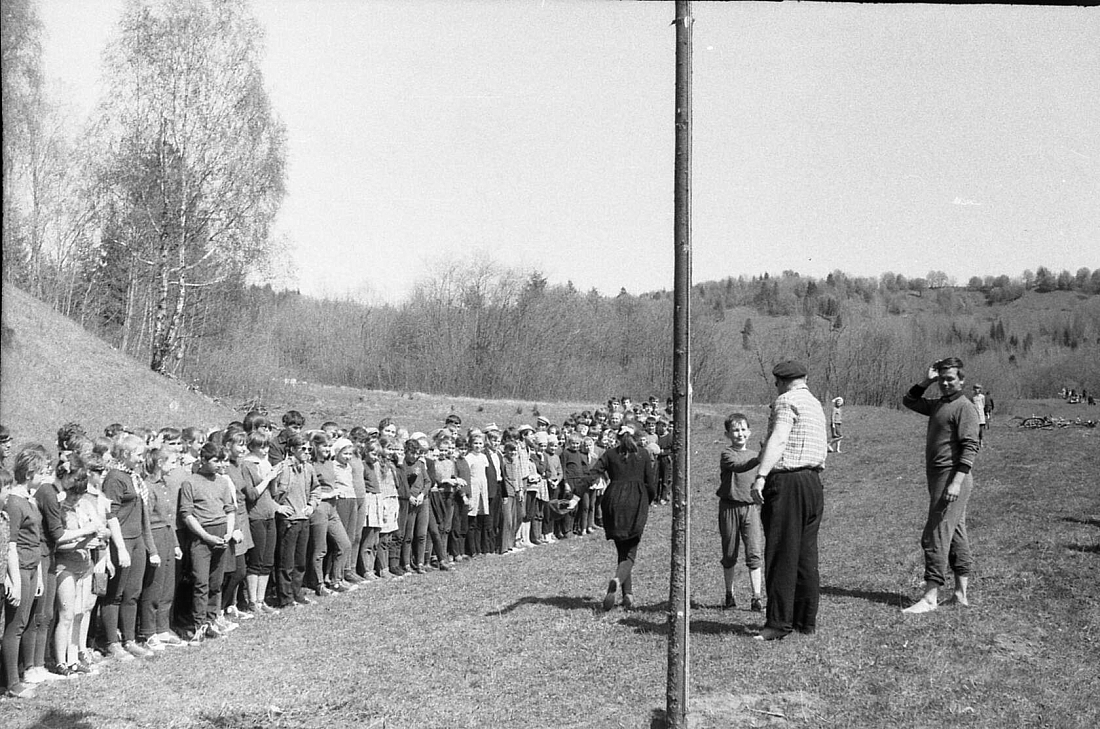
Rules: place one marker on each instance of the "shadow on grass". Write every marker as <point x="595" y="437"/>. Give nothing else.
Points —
<point x="561" y="602"/>
<point x="641" y="624"/>
<point x="1091" y="521"/>
<point x="658" y="719"/>
<point x="54" y="719"/>
<point x="886" y="598"/>
<point x="1086" y="548"/>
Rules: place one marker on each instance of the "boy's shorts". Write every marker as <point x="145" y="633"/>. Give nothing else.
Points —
<point x="739" y="523"/>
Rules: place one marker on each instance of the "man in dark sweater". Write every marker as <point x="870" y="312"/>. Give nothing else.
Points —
<point x="950" y="448"/>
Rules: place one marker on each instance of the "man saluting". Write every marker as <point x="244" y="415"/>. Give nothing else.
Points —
<point x="950" y="448"/>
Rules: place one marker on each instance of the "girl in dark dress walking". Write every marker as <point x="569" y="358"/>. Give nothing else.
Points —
<point x="632" y="486"/>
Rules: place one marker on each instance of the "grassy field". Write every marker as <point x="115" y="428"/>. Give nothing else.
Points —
<point x="519" y="641"/>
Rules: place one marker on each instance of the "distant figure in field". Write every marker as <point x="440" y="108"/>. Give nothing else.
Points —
<point x="836" y="421"/>
<point x="979" y="406"/>
<point x="788" y="486"/>
<point x="950" y="449"/>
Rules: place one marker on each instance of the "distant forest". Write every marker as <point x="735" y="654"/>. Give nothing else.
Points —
<point x="486" y="331"/>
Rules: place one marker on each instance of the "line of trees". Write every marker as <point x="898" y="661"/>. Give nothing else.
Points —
<point x="481" y="330"/>
<point x="792" y="294"/>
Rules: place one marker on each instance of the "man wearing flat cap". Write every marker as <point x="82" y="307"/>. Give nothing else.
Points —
<point x="788" y="485"/>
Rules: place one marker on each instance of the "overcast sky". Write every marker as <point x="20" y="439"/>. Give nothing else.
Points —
<point x="540" y="134"/>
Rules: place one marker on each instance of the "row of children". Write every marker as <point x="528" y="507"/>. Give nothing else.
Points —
<point x="135" y="542"/>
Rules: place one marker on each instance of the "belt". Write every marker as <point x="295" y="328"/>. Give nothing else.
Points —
<point x="816" y="469"/>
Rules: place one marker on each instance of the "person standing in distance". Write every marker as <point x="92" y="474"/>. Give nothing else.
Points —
<point x="788" y="485"/>
<point x="950" y="449"/>
<point x="979" y="405"/>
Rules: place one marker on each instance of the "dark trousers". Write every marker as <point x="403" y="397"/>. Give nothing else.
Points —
<point x="794" y="505"/>
<point x="120" y="604"/>
<point x="234" y="569"/>
<point x="207" y="571"/>
<point x="16" y="620"/>
<point x="420" y="526"/>
<point x="460" y="527"/>
<point x="261" y="558"/>
<point x="398" y="554"/>
<point x="478" y="537"/>
<point x="507" y="539"/>
<point x="664" y="478"/>
<point x="158" y="587"/>
<point x="42" y="622"/>
<point x="532" y="512"/>
<point x="496" y="519"/>
<point x="181" y="608"/>
<point x="442" y="514"/>
<point x="292" y="556"/>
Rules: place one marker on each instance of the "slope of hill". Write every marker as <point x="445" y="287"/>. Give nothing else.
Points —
<point x="53" y="372"/>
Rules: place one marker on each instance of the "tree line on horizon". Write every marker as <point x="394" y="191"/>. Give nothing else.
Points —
<point x="481" y="330"/>
<point x="147" y="225"/>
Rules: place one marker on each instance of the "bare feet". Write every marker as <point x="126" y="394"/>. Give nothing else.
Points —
<point x="920" y="606"/>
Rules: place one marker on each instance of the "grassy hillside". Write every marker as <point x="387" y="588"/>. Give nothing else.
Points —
<point x="53" y="372"/>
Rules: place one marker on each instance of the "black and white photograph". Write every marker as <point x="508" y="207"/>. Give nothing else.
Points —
<point x="395" y="364"/>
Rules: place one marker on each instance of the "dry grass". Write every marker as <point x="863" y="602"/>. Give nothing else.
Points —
<point x="519" y="641"/>
<point x="52" y="372"/>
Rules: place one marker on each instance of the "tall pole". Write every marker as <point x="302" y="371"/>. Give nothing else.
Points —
<point x="679" y="618"/>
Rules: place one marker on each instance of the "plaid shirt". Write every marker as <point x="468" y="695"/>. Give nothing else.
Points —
<point x="806" y="446"/>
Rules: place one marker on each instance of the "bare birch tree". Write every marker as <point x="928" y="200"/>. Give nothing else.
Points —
<point x="194" y="156"/>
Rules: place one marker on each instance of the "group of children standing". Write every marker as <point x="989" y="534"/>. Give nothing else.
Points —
<point x="132" y="543"/>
